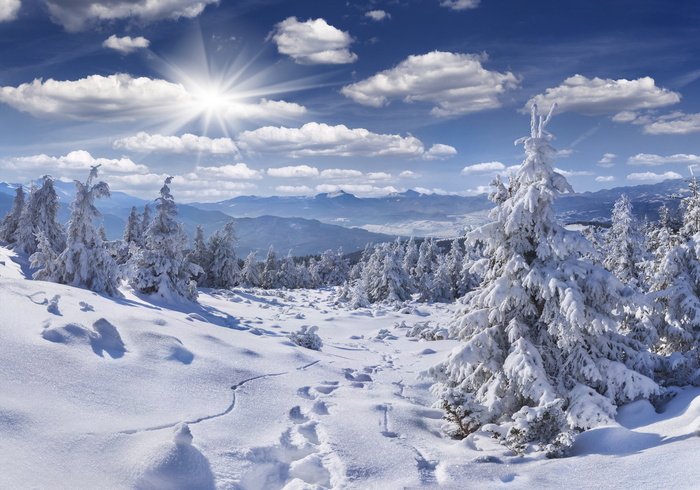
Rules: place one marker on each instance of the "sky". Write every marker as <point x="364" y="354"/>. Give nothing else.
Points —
<point x="278" y="97"/>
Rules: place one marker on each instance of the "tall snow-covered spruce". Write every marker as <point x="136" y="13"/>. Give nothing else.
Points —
<point x="541" y="356"/>
<point x="160" y="267"/>
<point x="85" y="260"/>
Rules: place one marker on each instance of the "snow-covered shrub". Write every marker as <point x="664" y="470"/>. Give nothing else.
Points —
<point x="423" y="330"/>
<point x="542" y="428"/>
<point x="307" y="337"/>
<point x="542" y="326"/>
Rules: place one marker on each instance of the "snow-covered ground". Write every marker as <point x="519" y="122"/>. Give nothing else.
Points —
<point x="97" y="392"/>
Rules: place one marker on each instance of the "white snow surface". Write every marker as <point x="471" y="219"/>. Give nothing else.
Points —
<point x="105" y="393"/>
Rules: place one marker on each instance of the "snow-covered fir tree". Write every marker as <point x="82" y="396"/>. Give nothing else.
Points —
<point x="160" y="267"/>
<point x="270" y="269"/>
<point x="287" y="275"/>
<point x="222" y="270"/>
<point x="40" y="214"/>
<point x="384" y="277"/>
<point x="540" y="343"/>
<point x="624" y="244"/>
<point x="410" y="257"/>
<point x="85" y="261"/>
<point x="250" y="272"/>
<point x="10" y="224"/>
<point x="691" y="209"/>
<point x="201" y="255"/>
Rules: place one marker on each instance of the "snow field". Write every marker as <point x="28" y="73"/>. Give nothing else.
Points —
<point x="98" y="392"/>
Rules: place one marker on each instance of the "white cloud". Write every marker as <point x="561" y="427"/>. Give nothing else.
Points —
<point x="607" y="158"/>
<point x="187" y="143"/>
<point x="564" y="153"/>
<point x="9" y="10"/>
<point x="302" y="171"/>
<point x="75" y="160"/>
<point x="313" y="42"/>
<point x="237" y="171"/>
<point x="460" y="4"/>
<point x="265" y="109"/>
<point x="360" y="190"/>
<point x="121" y="97"/>
<point x="677" y="123"/>
<point x="598" y="96"/>
<point x="294" y="190"/>
<point x="111" y="98"/>
<point x="409" y="174"/>
<point x="605" y="178"/>
<point x="625" y="117"/>
<point x="378" y="15"/>
<point x="456" y="83"/>
<point x="483" y="168"/>
<point x="573" y="173"/>
<point x="656" y="160"/>
<point x="126" y="44"/>
<point x="375" y="176"/>
<point x="318" y="139"/>
<point x="194" y="186"/>
<point x="652" y="177"/>
<point x="341" y="174"/>
<point x="76" y="15"/>
<point x="439" y="152"/>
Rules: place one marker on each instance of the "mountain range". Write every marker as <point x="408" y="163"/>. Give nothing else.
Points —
<point x="311" y="225"/>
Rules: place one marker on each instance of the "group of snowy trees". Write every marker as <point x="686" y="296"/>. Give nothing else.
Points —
<point x="151" y="257"/>
<point x="398" y="272"/>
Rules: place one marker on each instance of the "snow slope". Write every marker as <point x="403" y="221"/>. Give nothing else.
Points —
<point x="97" y="392"/>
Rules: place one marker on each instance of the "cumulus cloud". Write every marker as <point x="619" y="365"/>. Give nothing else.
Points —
<point x="143" y="142"/>
<point x="298" y="171"/>
<point x="122" y="97"/>
<point x="361" y="190"/>
<point x="126" y="44"/>
<point x="194" y="186"/>
<point x="653" y="177"/>
<point x="75" y="160"/>
<point x="294" y="190"/>
<point x="656" y="160"/>
<point x="318" y="139"/>
<point x="573" y="173"/>
<point x="9" y="10"/>
<point x="677" y="123"/>
<point x="605" y="178"/>
<point x="237" y="171"/>
<point x="341" y="174"/>
<point x="409" y="174"/>
<point x="460" y="4"/>
<point x="439" y="152"/>
<point x="456" y="83"/>
<point x="604" y="96"/>
<point x="313" y="42"/>
<point x="378" y="15"/>
<point x="607" y="160"/>
<point x="483" y="168"/>
<point x="77" y="15"/>
<point x="110" y="98"/>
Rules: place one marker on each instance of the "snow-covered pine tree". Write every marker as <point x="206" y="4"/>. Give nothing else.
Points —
<point x="287" y="276"/>
<point x="10" y="224"/>
<point x="442" y="289"/>
<point x="160" y="267"/>
<point x="624" y="244"/>
<point x="201" y="255"/>
<point x="455" y="261"/>
<point x="40" y="214"/>
<point x="145" y="219"/>
<point x="270" y="269"/>
<point x="85" y="261"/>
<point x="540" y="346"/>
<point x="250" y="272"/>
<point x="691" y="209"/>
<point x="427" y="262"/>
<point x="223" y="270"/>
<point x="384" y="277"/>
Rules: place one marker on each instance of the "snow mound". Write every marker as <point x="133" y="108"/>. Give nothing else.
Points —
<point x="163" y="347"/>
<point x="103" y="337"/>
<point x="175" y="465"/>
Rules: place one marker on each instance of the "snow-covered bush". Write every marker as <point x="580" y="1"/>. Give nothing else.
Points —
<point x="541" y="329"/>
<point x="307" y="337"/>
<point x="424" y="331"/>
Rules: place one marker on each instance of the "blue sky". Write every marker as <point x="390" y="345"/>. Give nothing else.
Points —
<point x="275" y="97"/>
